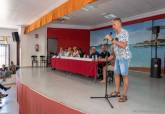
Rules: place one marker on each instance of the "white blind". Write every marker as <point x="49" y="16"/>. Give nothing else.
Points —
<point x="4" y="54"/>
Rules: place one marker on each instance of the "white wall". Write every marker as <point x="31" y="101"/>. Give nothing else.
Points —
<point x="7" y="32"/>
<point x="27" y="45"/>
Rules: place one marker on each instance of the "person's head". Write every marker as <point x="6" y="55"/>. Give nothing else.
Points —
<point x="75" y="48"/>
<point x="80" y="50"/>
<point x="72" y="51"/>
<point x="3" y="66"/>
<point x="69" y="49"/>
<point x="66" y="49"/>
<point x="12" y="63"/>
<point x="103" y="48"/>
<point x="61" y="49"/>
<point x="116" y="24"/>
<point x="93" y="50"/>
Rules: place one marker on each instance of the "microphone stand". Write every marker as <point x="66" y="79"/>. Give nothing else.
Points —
<point x="106" y="97"/>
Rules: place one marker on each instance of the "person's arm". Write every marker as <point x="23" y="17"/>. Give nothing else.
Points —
<point x="110" y="57"/>
<point x="120" y="43"/>
<point x="104" y="59"/>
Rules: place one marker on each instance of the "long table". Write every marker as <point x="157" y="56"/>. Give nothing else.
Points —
<point x="86" y="68"/>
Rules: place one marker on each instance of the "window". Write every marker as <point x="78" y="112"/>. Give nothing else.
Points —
<point x="4" y="54"/>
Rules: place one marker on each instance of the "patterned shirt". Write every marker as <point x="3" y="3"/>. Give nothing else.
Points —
<point x="122" y="53"/>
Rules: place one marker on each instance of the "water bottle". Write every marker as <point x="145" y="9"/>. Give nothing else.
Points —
<point x="92" y="57"/>
<point x="95" y="57"/>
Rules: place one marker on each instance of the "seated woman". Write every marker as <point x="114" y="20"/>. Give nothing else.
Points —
<point x="75" y="52"/>
<point x="61" y="53"/>
<point x="81" y="53"/>
<point x="69" y="52"/>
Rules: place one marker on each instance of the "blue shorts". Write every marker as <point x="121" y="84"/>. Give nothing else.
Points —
<point x="121" y="67"/>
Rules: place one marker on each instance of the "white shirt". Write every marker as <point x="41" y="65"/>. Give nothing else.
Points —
<point x="122" y="53"/>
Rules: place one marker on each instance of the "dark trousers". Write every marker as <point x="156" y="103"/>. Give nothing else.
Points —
<point x="2" y="87"/>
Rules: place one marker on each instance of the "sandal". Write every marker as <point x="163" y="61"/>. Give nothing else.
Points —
<point x="123" y="98"/>
<point x="115" y="94"/>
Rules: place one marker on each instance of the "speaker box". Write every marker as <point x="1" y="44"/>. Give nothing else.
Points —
<point x="15" y="36"/>
<point x="155" y="68"/>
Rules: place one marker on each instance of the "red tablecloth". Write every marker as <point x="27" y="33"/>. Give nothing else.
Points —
<point x="86" y="68"/>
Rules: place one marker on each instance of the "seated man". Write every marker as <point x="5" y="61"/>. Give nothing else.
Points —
<point x="109" y="67"/>
<point x="94" y="53"/>
<point x="104" y="53"/>
<point x="12" y="67"/>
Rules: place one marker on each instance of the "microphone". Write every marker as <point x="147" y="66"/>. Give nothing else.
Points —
<point x="106" y="38"/>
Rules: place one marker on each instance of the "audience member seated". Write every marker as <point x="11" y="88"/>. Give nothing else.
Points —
<point x="65" y="51"/>
<point x="104" y="52"/>
<point x="69" y="52"/>
<point x="5" y="72"/>
<point x="94" y="53"/>
<point x="61" y="53"/>
<point x="81" y="53"/>
<point x="75" y="52"/>
<point x="12" y="68"/>
<point x="110" y="66"/>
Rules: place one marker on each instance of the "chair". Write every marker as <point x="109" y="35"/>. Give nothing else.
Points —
<point x="34" y="60"/>
<point x="43" y="61"/>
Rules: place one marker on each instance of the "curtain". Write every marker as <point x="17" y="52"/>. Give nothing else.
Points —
<point x="65" y="9"/>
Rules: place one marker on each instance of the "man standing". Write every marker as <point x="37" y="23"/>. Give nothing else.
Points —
<point x="122" y="54"/>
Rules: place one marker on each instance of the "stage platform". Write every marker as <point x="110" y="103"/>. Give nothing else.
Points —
<point x="71" y="92"/>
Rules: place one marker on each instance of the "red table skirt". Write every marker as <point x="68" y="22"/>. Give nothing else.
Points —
<point x="86" y="68"/>
<point x="31" y="102"/>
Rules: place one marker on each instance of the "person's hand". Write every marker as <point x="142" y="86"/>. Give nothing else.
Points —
<point x="109" y="37"/>
<point x="114" y="41"/>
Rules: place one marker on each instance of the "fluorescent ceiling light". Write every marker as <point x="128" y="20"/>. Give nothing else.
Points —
<point x="66" y="17"/>
<point x="88" y="8"/>
<point x="110" y="16"/>
<point x="62" y="19"/>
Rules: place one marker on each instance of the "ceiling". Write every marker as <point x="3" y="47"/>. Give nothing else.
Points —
<point x="120" y="8"/>
<point x="23" y="12"/>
